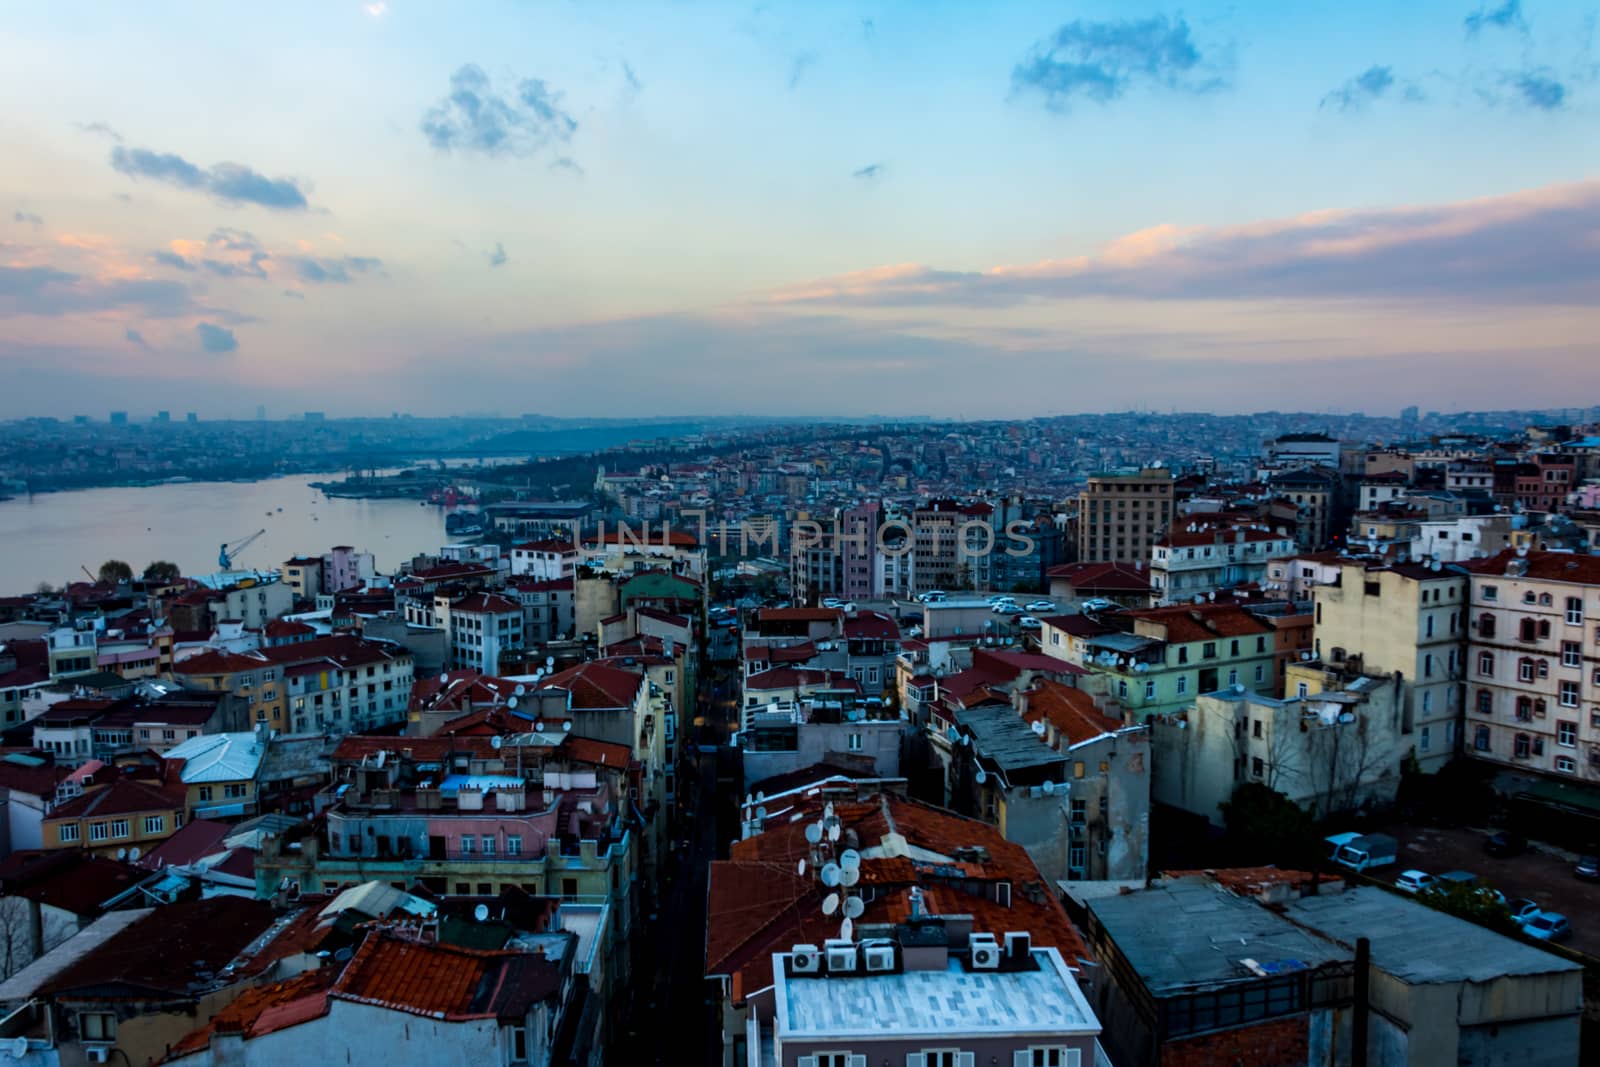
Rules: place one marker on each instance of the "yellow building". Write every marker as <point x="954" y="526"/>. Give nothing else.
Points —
<point x="115" y="819"/>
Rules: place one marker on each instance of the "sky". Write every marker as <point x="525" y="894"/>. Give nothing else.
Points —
<point x="928" y="208"/>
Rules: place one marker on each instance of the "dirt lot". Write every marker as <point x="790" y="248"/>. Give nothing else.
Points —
<point x="1542" y="875"/>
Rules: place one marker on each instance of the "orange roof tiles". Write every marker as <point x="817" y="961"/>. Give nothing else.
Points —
<point x="597" y="685"/>
<point x="444" y="981"/>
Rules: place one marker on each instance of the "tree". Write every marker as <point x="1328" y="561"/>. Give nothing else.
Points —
<point x="44" y="589"/>
<point x="1474" y="904"/>
<point x="113" y="571"/>
<point x="1264" y="826"/>
<point x="161" y="572"/>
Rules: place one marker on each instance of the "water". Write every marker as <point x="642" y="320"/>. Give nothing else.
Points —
<point x="50" y="537"/>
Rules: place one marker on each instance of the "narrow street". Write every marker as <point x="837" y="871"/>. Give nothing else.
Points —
<point x="674" y="1016"/>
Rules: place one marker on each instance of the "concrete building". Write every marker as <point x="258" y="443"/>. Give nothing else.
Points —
<point x="838" y="729"/>
<point x="1304" y="450"/>
<point x="482" y="628"/>
<point x="545" y="561"/>
<point x="1407" y="620"/>
<point x="1335" y="749"/>
<point x="303" y="576"/>
<point x="1120" y="515"/>
<point x="344" y="568"/>
<point x="1199" y="560"/>
<point x="1531" y="678"/>
<point x="1199" y="974"/>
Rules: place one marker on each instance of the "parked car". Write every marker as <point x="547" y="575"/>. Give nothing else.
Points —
<point x="1504" y="843"/>
<point x="1588" y="868"/>
<point x="1547" y="926"/>
<point x="1415" y="881"/>
<point x="1098" y="604"/>
<point x="1522" y="909"/>
<point x="1004" y="607"/>
<point x="832" y="602"/>
<point x="1451" y="879"/>
<point x="1493" y="896"/>
<point x="1028" y="622"/>
<point x="1039" y="605"/>
<point x="932" y="596"/>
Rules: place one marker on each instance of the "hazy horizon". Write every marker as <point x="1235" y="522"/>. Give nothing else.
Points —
<point x="886" y="209"/>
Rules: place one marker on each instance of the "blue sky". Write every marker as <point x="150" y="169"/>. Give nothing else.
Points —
<point x="894" y="208"/>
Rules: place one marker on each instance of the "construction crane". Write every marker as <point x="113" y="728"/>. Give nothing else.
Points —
<point x="228" y="552"/>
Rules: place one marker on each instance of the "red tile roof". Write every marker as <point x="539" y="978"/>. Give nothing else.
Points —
<point x="647" y="536"/>
<point x="486" y="604"/>
<point x="871" y="626"/>
<point x="262" y="1010"/>
<point x="125" y="796"/>
<point x="597" y="685"/>
<point x="445" y="982"/>
<point x="1102" y="577"/>
<point x="71" y="880"/>
<point x="798" y="614"/>
<point x="1071" y="711"/>
<point x="799" y="678"/>
<point x="195" y="840"/>
<point x="1545" y="566"/>
<point x="1202" y="622"/>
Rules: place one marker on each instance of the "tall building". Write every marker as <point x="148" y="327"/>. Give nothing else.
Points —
<point x="1120" y="515"/>
<point x="1531" y="687"/>
<point x="1407" y="620"/>
<point x="119" y="418"/>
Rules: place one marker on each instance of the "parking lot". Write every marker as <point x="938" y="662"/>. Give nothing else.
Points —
<point x="1542" y="875"/>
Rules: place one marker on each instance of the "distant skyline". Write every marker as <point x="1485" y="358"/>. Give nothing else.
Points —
<point x="629" y="210"/>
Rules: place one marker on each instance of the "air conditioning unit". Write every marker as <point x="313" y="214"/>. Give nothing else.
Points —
<point x="841" y="957"/>
<point x="805" y="959"/>
<point x="879" y="958"/>
<point x="97" y="1053"/>
<point x="1019" y="944"/>
<point x="985" y="952"/>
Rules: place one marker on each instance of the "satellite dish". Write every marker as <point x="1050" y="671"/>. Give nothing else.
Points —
<point x="847" y="929"/>
<point x="814" y="833"/>
<point x="18" y="1047"/>
<point x="122" y="853"/>
<point x="760" y="796"/>
<point x="850" y="859"/>
<point x="833" y="832"/>
<point x="1048" y="787"/>
<point x="134" y="854"/>
<point x="481" y="913"/>
<point x="801" y="868"/>
<point x="1038" y="727"/>
<point x="982" y="776"/>
<point x="512" y="703"/>
<point x="538" y="724"/>
<point x="761" y="812"/>
<point x="830" y="903"/>
<point x="830" y="875"/>
<point x="520" y="689"/>
<point x="549" y="661"/>
<point x="827" y="810"/>
<point x="496" y="741"/>
<point x="849" y="876"/>
<point x="853" y="908"/>
<point x="749" y="799"/>
<point x="443" y="678"/>
<point x="566" y="725"/>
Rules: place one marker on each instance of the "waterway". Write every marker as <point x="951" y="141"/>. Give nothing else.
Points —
<point x="52" y="536"/>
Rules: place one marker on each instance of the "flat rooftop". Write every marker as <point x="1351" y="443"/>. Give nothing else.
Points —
<point x="1004" y="737"/>
<point x="935" y="1004"/>
<point x="1189" y="932"/>
<point x="1419" y="945"/>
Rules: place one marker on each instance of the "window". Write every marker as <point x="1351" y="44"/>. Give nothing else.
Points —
<point x="1208" y="650"/>
<point x="1427" y="665"/>
<point x="1427" y="702"/>
<point x="513" y="844"/>
<point x="1149" y="689"/>
<point x="1257" y="768"/>
<point x="1423" y="739"/>
<point x="205" y="793"/>
<point x="1566" y="734"/>
<point x="1302" y="690"/>
<point x="1183" y="653"/>
<point x="98" y="832"/>
<point x="1524" y="709"/>
<point x="1233" y="647"/>
<point x="1520" y="746"/>
<point x="855" y="742"/>
<point x="1569" y="694"/>
<point x="488" y="844"/>
<point x="1233" y="676"/>
<point x="97" y="1025"/>
<point x="1261" y="673"/>
<point x="1255" y="728"/>
<point x="1486" y="664"/>
<point x="1183" y="684"/>
<point x="1566" y="764"/>
<point x="1428" y="627"/>
<point x="467" y="844"/>
<point x="1485" y="702"/>
<point x="234" y="790"/>
<point x="1571" y="654"/>
<point x="1525" y="669"/>
<point x="1528" y="629"/>
<point x="1053" y="1057"/>
<point x="155" y="824"/>
<point x="1489" y="592"/>
<point x="67" y="832"/>
<point x="1574" y="611"/>
<point x="1486" y="625"/>
<point x="1480" y="739"/>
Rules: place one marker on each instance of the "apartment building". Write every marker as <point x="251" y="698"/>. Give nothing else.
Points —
<point x="1121" y="514"/>
<point x="482" y="628"/>
<point x="1533" y="664"/>
<point x="1199" y="560"/>
<point x="1408" y="620"/>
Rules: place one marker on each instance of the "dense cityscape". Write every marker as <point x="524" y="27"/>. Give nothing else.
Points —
<point x="847" y="534"/>
<point x="707" y="732"/>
